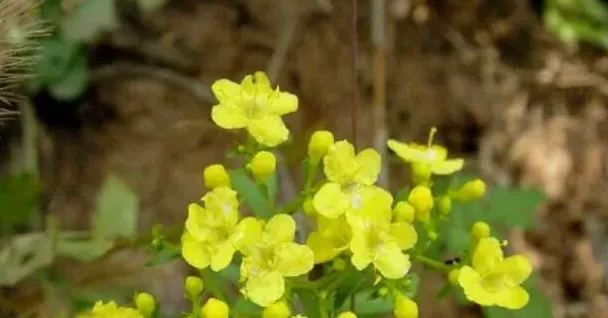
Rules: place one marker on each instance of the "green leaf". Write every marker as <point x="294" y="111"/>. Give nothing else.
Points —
<point x="401" y="195"/>
<point x="366" y="305"/>
<point x="23" y="255"/>
<point x="272" y="184"/>
<point x="515" y="207"/>
<point x="164" y="256"/>
<point x="57" y="58"/>
<point x="18" y="198"/>
<point x="349" y="285"/>
<point x="73" y="83"/>
<point x="310" y="303"/>
<point x="245" y="306"/>
<point x="251" y="193"/>
<point x="90" y="19"/>
<point x="117" y="210"/>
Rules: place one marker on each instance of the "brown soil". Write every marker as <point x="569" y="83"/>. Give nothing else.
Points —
<point x="502" y="92"/>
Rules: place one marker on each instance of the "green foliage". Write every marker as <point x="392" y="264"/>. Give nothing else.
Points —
<point x="578" y="20"/>
<point x="17" y="200"/>
<point x="116" y="210"/>
<point x="252" y="194"/>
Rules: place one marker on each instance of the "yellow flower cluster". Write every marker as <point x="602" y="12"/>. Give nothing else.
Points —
<point x="144" y="303"/>
<point x="358" y="227"/>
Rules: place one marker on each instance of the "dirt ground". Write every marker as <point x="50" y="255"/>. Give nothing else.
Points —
<point x="503" y="93"/>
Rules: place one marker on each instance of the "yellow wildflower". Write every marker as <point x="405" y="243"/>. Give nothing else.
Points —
<point x="379" y="242"/>
<point x="270" y="255"/>
<point x="111" y="310"/>
<point x="215" y="176"/>
<point x="347" y="174"/>
<point x="330" y="239"/>
<point x="211" y="230"/>
<point x="277" y="310"/>
<point x="493" y="280"/>
<point x="405" y="307"/>
<point x="263" y="164"/>
<point x="254" y="106"/>
<point x="215" y="308"/>
<point x="404" y="212"/>
<point x="319" y="143"/>
<point x="426" y="159"/>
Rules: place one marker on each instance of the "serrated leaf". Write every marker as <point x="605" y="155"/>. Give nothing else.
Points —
<point x="83" y="250"/>
<point x="73" y="83"/>
<point x="164" y="256"/>
<point x="23" y="255"/>
<point x="116" y="210"/>
<point x="251" y="193"/>
<point x="90" y="19"/>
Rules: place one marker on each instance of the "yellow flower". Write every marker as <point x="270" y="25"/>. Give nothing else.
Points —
<point x="145" y="304"/>
<point x="254" y="106"/>
<point x="215" y="176"/>
<point x="330" y="239"/>
<point x="270" y="255"/>
<point x="404" y="212"/>
<point x="263" y="164"/>
<point x="111" y="310"/>
<point x="215" y="308"/>
<point x="493" y="280"/>
<point x="405" y="307"/>
<point x="319" y="143"/>
<point x="211" y="230"/>
<point x="376" y="240"/>
<point x="347" y="174"/>
<point x="426" y="159"/>
<point x="277" y="310"/>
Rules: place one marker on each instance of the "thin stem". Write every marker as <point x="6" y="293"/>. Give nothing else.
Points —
<point x="432" y="263"/>
<point x="355" y="48"/>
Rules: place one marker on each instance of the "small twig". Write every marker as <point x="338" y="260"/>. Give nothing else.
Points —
<point x="355" y="49"/>
<point x="378" y="9"/>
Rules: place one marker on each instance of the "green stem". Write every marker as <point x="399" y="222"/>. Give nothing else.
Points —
<point x="322" y="310"/>
<point x="210" y="284"/>
<point x="432" y="263"/>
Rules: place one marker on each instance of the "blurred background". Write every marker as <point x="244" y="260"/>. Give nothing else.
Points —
<point x="110" y="133"/>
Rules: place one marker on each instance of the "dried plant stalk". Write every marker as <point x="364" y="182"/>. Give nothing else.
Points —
<point x="20" y="29"/>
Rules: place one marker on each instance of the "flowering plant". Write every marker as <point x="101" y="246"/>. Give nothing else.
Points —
<point x="364" y="240"/>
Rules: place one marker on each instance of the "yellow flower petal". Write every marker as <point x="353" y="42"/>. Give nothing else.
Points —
<point x="265" y="288"/>
<point x="195" y="252"/>
<point x="261" y="81"/>
<point x="404" y="234"/>
<point x="391" y="262"/>
<point x="487" y="256"/>
<point x="281" y="228"/>
<point x="247" y="233"/>
<point x="229" y="116"/>
<point x="269" y="130"/>
<point x="513" y="298"/>
<point x="195" y="223"/>
<point x="362" y="254"/>
<point x="330" y="201"/>
<point x="282" y="103"/>
<point x="223" y="202"/>
<point x="370" y="162"/>
<point x="223" y="253"/>
<point x="323" y="252"/>
<point x="340" y="164"/>
<point x="470" y="281"/>
<point x="517" y="269"/>
<point x="376" y="204"/>
<point x="225" y="90"/>
<point x="404" y="151"/>
<point x="447" y="167"/>
<point x="294" y="259"/>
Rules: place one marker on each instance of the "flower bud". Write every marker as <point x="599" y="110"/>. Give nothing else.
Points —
<point x="319" y="142"/>
<point x="308" y="207"/>
<point x="404" y="212"/>
<point x="339" y="264"/>
<point x="472" y="190"/>
<point x="383" y="291"/>
<point x="405" y="307"/>
<point x="215" y="176"/>
<point x="145" y="304"/>
<point x="277" y="310"/>
<point x="194" y="286"/>
<point x="215" y="308"/>
<point x="421" y="199"/>
<point x="263" y="164"/>
<point x="421" y="173"/>
<point x="480" y="230"/>
<point x="445" y="205"/>
<point x="433" y="236"/>
<point x="348" y="314"/>
<point x="453" y="276"/>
